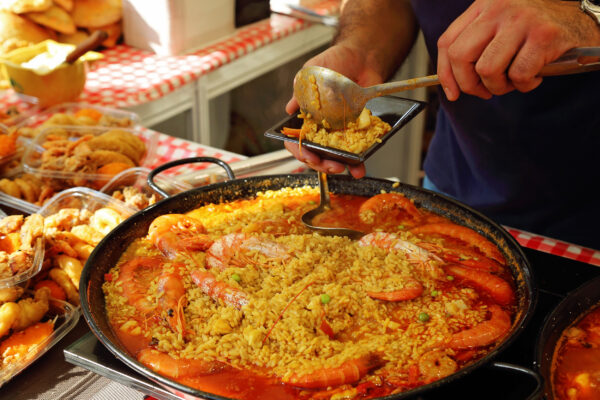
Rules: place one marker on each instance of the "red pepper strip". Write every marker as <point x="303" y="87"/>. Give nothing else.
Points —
<point x="291" y="132"/>
<point x="326" y="328"/>
<point x="108" y="277"/>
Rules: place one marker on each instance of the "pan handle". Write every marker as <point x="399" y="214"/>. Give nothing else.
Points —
<point x="189" y="160"/>
<point x="539" y="386"/>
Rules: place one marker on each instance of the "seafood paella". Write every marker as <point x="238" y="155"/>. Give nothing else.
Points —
<point x="241" y="300"/>
<point x="356" y="137"/>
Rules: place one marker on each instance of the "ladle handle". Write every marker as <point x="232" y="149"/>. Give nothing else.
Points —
<point x="400" y="86"/>
<point x="88" y="44"/>
<point x="324" y="189"/>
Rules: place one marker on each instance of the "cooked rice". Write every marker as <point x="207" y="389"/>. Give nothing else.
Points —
<point x="320" y="265"/>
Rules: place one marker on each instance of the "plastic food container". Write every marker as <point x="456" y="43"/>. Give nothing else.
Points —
<point x="22" y="203"/>
<point x="12" y="163"/>
<point x="15" y="108"/>
<point x="33" y="269"/>
<point x="63" y="324"/>
<point x="136" y="178"/>
<point x="32" y="159"/>
<point x="114" y="117"/>
<point x="84" y="199"/>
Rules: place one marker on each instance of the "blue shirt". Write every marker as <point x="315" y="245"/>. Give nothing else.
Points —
<point x="527" y="160"/>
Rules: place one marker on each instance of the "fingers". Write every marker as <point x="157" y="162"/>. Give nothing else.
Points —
<point x="327" y="166"/>
<point x="444" y="65"/>
<point x="291" y="106"/>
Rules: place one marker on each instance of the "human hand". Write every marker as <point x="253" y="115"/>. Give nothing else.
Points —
<point x="497" y="46"/>
<point x="350" y="63"/>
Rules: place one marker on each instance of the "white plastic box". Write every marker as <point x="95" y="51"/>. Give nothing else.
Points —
<point x="170" y="27"/>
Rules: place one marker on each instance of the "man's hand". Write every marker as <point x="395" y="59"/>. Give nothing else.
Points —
<point x="497" y="46"/>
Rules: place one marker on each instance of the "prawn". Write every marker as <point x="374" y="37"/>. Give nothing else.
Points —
<point x="175" y="233"/>
<point x="485" y="333"/>
<point x="411" y="291"/>
<point x="173" y="298"/>
<point x="464" y="234"/>
<point x="135" y="277"/>
<point x="176" y="367"/>
<point x="496" y="287"/>
<point x="219" y="290"/>
<point x="385" y="203"/>
<point x="436" y="364"/>
<point x="414" y="253"/>
<point x="349" y="372"/>
<point x="227" y="250"/>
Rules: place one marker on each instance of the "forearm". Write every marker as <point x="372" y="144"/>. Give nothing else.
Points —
<point x="384" y="30"/>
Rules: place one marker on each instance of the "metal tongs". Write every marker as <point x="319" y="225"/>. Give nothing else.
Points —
<point x="569" y="62"/>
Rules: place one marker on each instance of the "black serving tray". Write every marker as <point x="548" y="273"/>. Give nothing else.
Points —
<point x="396" y="111"/>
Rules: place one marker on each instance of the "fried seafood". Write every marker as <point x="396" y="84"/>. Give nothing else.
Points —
<point x="25" y="344"/>
<point x="8" y="144"/>
<point x="134" y="197"/>
<point x="82" y="117"/>
<point x="89" y="154"/>
<point x="27" y="187"/>
<point x="71" y="235"/>
<point x="17" y="242"/>
<point x="18" y="316"/>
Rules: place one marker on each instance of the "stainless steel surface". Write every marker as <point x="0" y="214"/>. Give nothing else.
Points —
<point x="330" y="96"/>
<point x="325" y="205"/>
<point x="89" y="353"/>
<point x="296" y="11"/>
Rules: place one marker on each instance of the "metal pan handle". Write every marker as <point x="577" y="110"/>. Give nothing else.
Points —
<point x="539" y="381"/>
<point x="189" y="160"/>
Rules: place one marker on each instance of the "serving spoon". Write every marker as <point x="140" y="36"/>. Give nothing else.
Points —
<point x="324" y="205"/>
<point x="331" y="97"/>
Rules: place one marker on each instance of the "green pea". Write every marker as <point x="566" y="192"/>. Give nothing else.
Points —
<point x="236" y="277"/>
<point x="312" y="202"/>
<point x="450" y="277"/>
<point x="434" y="293"/>
<point x="400" y="227"/>
<point x="325" y="298"/>
<point x="423" y="317"/>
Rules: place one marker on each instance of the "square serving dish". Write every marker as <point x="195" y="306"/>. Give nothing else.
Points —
<point x="32" y="158"/>
<point x="15" y="108"/>
<point x="32" y="270"/>
<point x="84" y="199"/>
<point x="396" y="111"/>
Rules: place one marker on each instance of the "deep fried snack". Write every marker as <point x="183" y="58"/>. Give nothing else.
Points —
<point x="10" y="188"/>
<point x="59" y="276"/>
<point x="103" y="157"/>
<point x="16" y="247"/>
<point x="8" y="144"/>
<point x="20" y="315"/>
<point x="122" y="142"/>
<point x="28" y="191"/>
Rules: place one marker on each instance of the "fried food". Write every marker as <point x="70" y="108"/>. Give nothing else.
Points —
<point x="54" y="18"/>
<point x="96" y="13"/>
<point x="74" y="38"/>
<point x="17" y="243"/>
<point x="122" y="142"/>
<point x="20" y="315"/>
<point x="24" y="6"/>
<point x="27" y="187"/>
<point x="67" y="5"/>
<point x="104" y="157"/>
<point x="8" y="144"/>
<point x="17" y="32"/>
<point x="134" y="197"/>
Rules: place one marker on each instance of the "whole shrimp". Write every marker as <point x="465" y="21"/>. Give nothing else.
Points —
<point x="178" y="233"/>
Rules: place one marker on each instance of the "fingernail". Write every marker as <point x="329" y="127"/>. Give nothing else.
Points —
<point x="447" y="92"/>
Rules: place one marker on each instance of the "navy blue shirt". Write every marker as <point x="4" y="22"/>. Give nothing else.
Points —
<point x="527" y="160"/>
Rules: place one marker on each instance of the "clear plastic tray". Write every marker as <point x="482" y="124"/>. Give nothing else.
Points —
<point x="137" y="178"/>
<point x="34" y="268"/>
<point x="16" y="108"/>
<point x="64" y="323"/>
<point x="122" y="119"/>
<point x="84" y="198"/>
<point x="17" y="203"/>
<point x="33" y="153"/>
<point x="11" y="163"/>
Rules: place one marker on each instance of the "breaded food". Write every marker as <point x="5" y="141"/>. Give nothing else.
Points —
<point x="24" y="6"/>
<point x="54" y="18"/>
<point x="75" y="38"/>
<point x="96" y="13"/>
<point x="10" y="188"/>
<point x="114" y="33"/>
<point x="120" y="141"/>
<point x="67" y="5"/>
<point x="103" y="157"/>
<point x="17" y="32"/>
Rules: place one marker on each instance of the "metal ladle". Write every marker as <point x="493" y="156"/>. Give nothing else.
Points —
<point x="324" y="205"/>
<point x="330" y="96"/>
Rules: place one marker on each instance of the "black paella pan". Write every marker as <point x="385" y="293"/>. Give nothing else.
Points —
<point x="572" y="308"/>
<point x="108" y="251"/>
